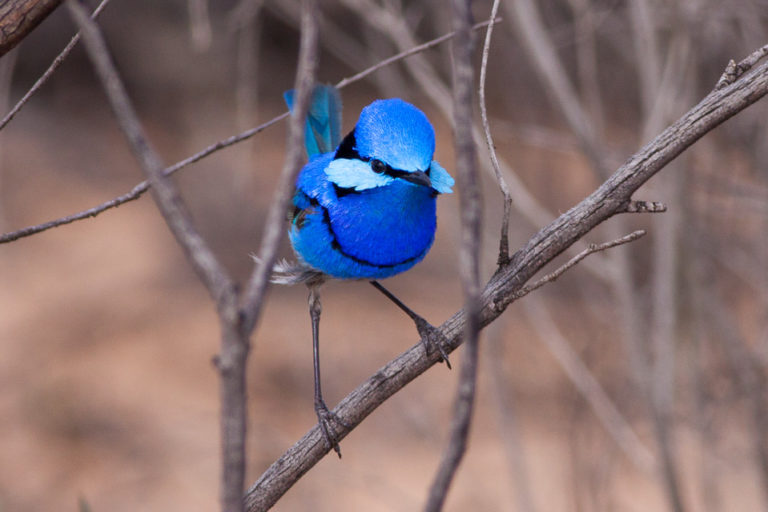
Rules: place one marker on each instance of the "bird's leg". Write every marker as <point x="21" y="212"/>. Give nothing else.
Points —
<point x="430" y="335"/>
<point x="324" y="416"/>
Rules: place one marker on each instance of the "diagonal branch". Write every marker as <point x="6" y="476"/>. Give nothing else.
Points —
<point x="609" y="199"/>
<point x="165" y="194"/>
<point x="48" y="72"/>
<point x="19" y="17"/>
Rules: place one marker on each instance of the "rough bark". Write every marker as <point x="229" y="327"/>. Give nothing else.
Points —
<point x="19" y="17"/>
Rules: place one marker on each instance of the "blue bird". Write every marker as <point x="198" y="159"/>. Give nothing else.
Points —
<point x="364" y="210"/>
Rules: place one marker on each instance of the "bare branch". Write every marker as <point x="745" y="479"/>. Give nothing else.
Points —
<point x="504" y="239"/>
<point x="591" y="249"/>
<point x="734" y="71"/>
<point x="166" y="196"/>
<point x="19" y="17"/>
<point x="549" y="242"/>
<point x="470" y="202"/>
<point x="48" y="72"/>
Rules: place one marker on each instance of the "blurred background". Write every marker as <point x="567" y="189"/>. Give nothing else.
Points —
<point x="635" y="382"/>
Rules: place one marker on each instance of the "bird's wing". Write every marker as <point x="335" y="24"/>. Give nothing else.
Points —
<point x="313" y="189"/>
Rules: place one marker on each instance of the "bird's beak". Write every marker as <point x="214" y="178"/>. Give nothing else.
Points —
<point x="417" y="177"/>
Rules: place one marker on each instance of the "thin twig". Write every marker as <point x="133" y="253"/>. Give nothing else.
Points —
<point x="138" y="190"/>
<point x="48" y="72"/>
<point x="412" y="51"/>
<point x="470" y="202"/>
<point x="591" y="249"/>
<point x="504" y="238"/>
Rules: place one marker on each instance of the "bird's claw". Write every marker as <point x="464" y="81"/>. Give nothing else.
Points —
<point x="325" y="418"/>
<point x="432" y="338"/>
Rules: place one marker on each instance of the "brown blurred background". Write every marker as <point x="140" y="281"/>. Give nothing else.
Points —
<point x="650" y="353"/>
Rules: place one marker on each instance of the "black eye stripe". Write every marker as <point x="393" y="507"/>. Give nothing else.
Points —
<point x="347" y="150"/>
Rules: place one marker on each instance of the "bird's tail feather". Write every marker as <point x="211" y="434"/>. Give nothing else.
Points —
<point x="323" y="130"/>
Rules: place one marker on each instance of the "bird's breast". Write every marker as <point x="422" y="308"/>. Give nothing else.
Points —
<point x="387" y="225"/>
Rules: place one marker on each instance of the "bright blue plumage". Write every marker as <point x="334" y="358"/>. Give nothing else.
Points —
<point x="323" y="129"/>
<point x="367" y="209"/>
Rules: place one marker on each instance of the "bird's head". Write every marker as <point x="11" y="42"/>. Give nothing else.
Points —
<point x="392" y="140"/>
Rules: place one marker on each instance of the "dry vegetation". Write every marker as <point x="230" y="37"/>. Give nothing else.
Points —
<point x="635" y="382"/>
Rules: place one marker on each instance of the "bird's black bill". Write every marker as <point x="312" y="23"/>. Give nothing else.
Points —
<point x="416" y="177"/>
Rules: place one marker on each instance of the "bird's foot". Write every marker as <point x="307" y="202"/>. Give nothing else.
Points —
<point x="432" y="339"/>
<point x="326" y="418"/>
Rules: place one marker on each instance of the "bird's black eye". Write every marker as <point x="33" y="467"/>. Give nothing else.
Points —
<point x="378" y="166"/>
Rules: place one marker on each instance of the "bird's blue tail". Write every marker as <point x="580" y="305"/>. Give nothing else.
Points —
<point x="323" y="131"/>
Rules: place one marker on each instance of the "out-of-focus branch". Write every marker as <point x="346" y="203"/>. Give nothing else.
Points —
<point x="166" y="195"/>
<point x="611" y="197"/>
<point x="48" y="72"/>
<point x="506" y="410"/>
<point x="234" y="347"/>
<point x="274" y="229"/>
<point x="19" y="17"/>
<point x="200" y="31"/>
<point x="589" y="387"/>
<point x="470" y="203"/>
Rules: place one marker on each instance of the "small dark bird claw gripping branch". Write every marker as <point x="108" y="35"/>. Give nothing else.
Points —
<point x="608" y="200"/>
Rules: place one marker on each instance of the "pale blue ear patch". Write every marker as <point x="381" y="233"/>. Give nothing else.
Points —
<point x="356" y="174"/>
<point x="441" y="180"/>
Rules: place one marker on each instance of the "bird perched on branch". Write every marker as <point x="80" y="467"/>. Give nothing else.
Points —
<point x="364" y="208"/>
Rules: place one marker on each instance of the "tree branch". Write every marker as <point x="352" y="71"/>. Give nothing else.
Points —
<point x="19" y="17"/>
<point x="234" y="343"/>
<point x="503" y="258"/>
<point x="470" y="203"/>
<point x="48" y="72"/>
<point x="610" y="198"/>
<point x="165" y="194"/>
